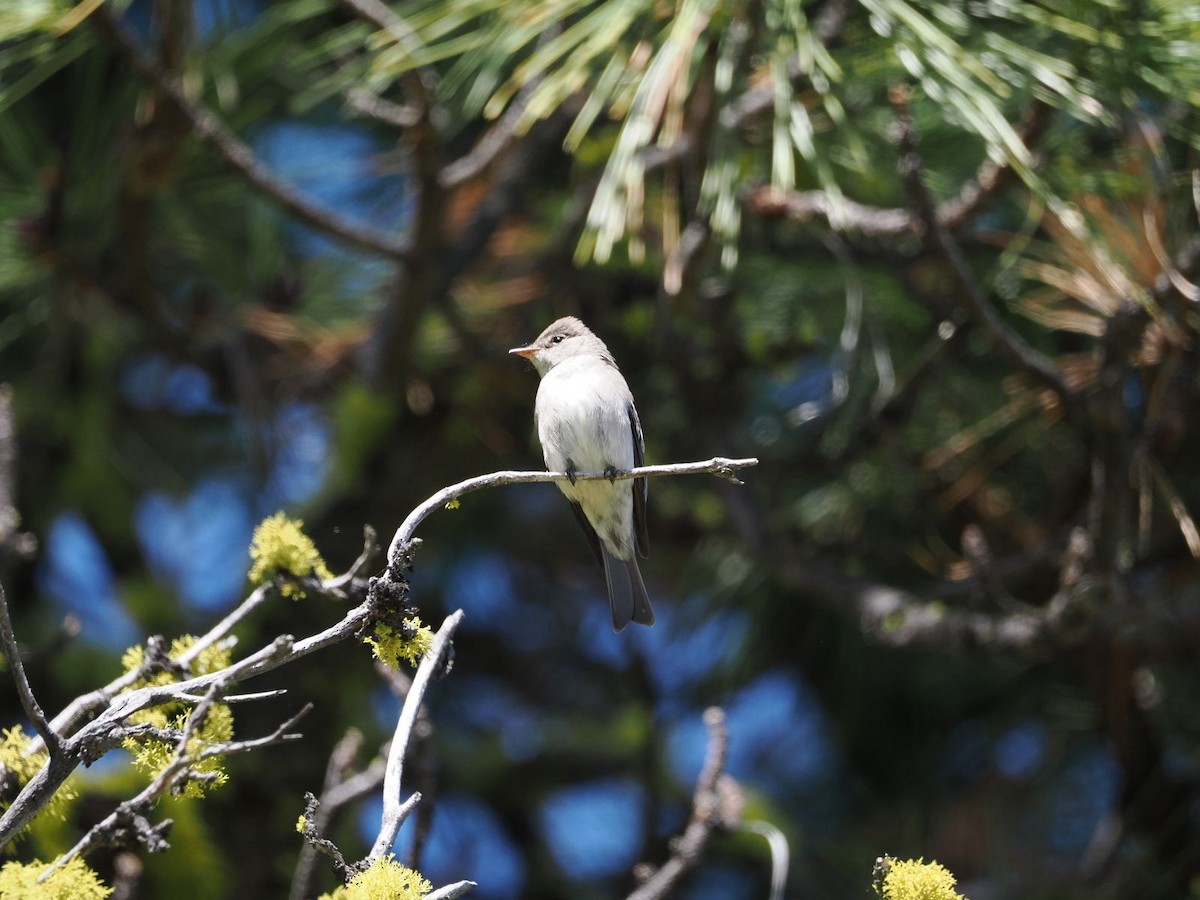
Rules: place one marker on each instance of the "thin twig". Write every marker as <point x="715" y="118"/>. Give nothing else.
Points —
<point x="713" y="808"/>
<point x="370" y="548"/>
<point x="778" y="845"/>
<point x="238" y="154"/>
<point x="718" y="465"/>
<point x="394" y="811"/>
<point x="336" y="791"/>
<point x="28" y="702"/>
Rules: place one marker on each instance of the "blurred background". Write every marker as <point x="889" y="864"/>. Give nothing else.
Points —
<point x="933" y="263"/>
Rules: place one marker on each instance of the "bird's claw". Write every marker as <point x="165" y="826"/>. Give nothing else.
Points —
<point x="610" y="472"/>
<point x="571" y="470"/>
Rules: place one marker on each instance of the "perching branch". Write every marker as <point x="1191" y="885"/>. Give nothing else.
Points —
<point x="718" y="465"/>
<point x="111" y="706"/>
<point x="716" y="806"/>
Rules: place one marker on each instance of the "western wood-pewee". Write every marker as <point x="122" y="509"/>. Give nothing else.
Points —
<point x="586" y="422"/>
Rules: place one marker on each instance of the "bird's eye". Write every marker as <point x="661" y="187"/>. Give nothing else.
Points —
<point x="557" y="339"/>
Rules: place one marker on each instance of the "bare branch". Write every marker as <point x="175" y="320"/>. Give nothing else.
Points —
<point x="238" y="154"/>
<point x="9" y="519"/>
<point x="370" y="548"/>
<point x="394" y="811"/>
<point x="29" y="703"/>
<point x="98" y="734"/>
<point x="716" y="805"/>
<point x="314" y="822"/>
<point x="338" y="789"/>
<point x="718" y="465"/>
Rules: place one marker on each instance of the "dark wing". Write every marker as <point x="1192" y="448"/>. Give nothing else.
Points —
<point x="588" y="531"/>
<point x="641" y="487"/>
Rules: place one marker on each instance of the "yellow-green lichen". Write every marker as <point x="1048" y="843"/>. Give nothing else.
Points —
<point x="391" y="646"/>
<point x="386" y="879"/>
<point x="280" y="545"/>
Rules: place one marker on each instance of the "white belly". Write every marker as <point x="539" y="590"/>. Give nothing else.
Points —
<point x="583" y="422"/>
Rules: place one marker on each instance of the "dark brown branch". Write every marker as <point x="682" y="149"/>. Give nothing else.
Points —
<point x="497" y="140"/>
<point x="759" y="100"/>
<point x="414" y="286"/>
<point x="973" y="298"/>
<point x="716" y="806"/>
<point x="12" y="654"/>
<point x="318" y="813"/>
<point x="898" y="617"/>
<point x="237" y="153"/>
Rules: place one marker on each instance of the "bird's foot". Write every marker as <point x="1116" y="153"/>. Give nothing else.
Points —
<point x="610" y="472"/>
<point x="571" y="470"/>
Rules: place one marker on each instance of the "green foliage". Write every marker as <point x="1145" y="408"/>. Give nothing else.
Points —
<point x="408" y="643"/>
<point x="279" y="546"/>
<point x="18" y="17"/>
<point x="386" y="879"/>
<point x="74" y="881"/>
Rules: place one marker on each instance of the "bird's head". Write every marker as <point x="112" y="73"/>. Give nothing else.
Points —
<point x="562" y="340"/>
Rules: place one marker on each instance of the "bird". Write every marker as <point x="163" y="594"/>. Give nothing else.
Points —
<point x="586" y="422"/>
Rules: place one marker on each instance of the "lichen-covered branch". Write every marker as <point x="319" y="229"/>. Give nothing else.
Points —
<point x="394" y="809"/>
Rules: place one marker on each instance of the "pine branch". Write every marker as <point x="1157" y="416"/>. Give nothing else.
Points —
<point x="238" y="154"/>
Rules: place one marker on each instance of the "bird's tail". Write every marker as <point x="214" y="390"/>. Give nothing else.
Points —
<point x="626" y="592"/>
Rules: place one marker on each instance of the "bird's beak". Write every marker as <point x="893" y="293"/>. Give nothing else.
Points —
<point x="526" y="352"/>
